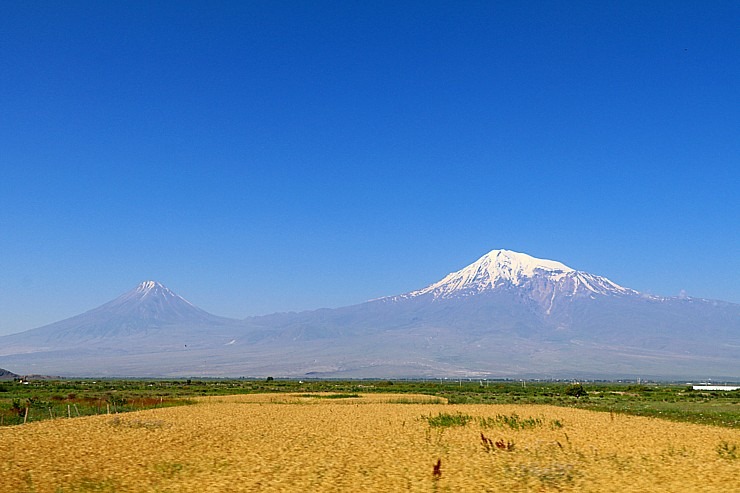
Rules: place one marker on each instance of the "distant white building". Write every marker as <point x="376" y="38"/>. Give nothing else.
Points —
<point x="715" y="387"/>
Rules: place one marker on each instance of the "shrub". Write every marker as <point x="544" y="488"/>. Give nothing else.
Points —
<point x="445" y="420"/>
<point x="576" y="390"/>
<point x="514" y="422"/>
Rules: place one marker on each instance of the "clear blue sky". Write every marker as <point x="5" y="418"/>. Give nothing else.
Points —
<point x="274" y="156"/>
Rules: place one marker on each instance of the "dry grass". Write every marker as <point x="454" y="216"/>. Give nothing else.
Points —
<point x="370" y="443"/>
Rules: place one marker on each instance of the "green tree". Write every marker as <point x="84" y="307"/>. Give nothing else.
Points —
<point x="576" y="390"/>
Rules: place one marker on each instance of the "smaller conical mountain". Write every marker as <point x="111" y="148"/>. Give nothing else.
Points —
<point x="150" y="315"/>
<point x="151" y="304"/>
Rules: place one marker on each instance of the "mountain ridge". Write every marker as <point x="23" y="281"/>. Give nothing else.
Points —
<point x="8" y="375"/>
<point x="543" y="280"/>
<point x="506" y="314"/>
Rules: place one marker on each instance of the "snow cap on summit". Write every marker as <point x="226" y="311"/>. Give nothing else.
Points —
<point x="500" y="268"/>
<point x="495" y="266"/>
<point x="520" y="263"/>
<point x="153" y="288"/>
<point x="147" y="286"/>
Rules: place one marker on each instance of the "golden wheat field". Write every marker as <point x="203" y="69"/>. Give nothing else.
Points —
<point x="369" y="443"/>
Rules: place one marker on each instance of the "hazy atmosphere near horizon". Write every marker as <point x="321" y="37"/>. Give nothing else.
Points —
<point x="257" y="157"/>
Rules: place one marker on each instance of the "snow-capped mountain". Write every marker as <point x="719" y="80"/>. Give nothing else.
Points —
<point x="542" y="280"/>
<point x="507" y="314"/>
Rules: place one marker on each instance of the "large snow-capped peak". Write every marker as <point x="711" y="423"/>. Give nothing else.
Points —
<point x="500" y="269"/>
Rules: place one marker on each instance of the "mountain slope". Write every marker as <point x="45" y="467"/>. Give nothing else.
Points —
<point x="507" y="314"/>
<point x="148" y="316"/>
<point x="510" y="312"/>
<point x="7" y="375"/>
<point x="542" y="280"/>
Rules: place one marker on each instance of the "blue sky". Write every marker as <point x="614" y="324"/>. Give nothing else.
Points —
<point x="273" y="156"/>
